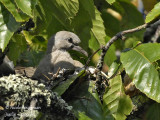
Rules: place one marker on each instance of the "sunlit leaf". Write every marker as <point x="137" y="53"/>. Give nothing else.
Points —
<point x="8" y="26"/>
<point x="35" y="41"/>
<point x="98" y="28"/>
<point x="13" y="9"/>
<point x="153" y="14"/>
<point x="113" y="69"/>
<point x="63" y="10"/>
<point x="116" y="101"/>
<point x="138" y="63"/>
<point x="45" y="23"/>
<point x="26" y="6"/>
<point x="110" y="1"/>
<point x="111" y="54"/>
<point x="82" y="116"/>
<point x="93" y="43"/>
<point x="98" y="38"/>
<point x="70" y="6"/>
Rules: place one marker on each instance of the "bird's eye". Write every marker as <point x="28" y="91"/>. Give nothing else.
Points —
<point x="70" y="40"/>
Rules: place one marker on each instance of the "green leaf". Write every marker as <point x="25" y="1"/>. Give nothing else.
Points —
<point x="12" y="8"/>
<point x="88" y="101"/>
<point x="98" y="28"/>
<point x="26" y="6"/>
<point x="138" y="64"/>
<point x="114" y="68"/>
<point x="153" y="14"/>
<point x="35" y="41"/>
<point x="69" y="7"/>
<point x="110" y="1"/>
<point x="98" y="34"/>
<point x="88" y="5"/>
<point x="82" y="26"/>
<point x="16" y="46"/>
<point x="111" y="54"/>
<point x="93" y="43"/>
<point x="82" y="116"/>
<point x="130" y="42"/>
<point x="65" y="85"/>
<point x="131" y="17"/>
<point x="45" y="23"/>
<point x="8" y="26"/>
<point x="63" y="10"/>
<point x="116" y="101"/>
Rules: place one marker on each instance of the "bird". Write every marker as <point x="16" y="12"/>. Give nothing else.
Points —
<point x="6" y="66"/>
<point x="57" y="55"/>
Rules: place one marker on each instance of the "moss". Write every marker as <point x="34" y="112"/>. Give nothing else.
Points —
<point x="21" y="97"/>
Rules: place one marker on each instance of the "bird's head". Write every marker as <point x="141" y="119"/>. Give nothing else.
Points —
<point x="65" y="40"/>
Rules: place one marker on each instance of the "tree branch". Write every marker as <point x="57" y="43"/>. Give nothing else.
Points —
<point x="89" y="59"/>
<point x="113" y="39"/>
<point x="106" y="47"/>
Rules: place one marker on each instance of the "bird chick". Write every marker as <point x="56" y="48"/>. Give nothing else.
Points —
<point x="6" y="67"/>
<point x="57" y="55"/>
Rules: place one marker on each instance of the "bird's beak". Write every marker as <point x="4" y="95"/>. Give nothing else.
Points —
<point x="79" y="49"/>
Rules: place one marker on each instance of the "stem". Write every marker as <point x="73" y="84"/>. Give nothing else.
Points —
<point x="113" y="39"/>
<point x="119" y="35"/>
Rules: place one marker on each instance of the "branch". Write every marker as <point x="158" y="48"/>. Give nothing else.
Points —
<point x="113" y="39"/>
<point x="106" y="47"/>
<point x="89" y="59"/>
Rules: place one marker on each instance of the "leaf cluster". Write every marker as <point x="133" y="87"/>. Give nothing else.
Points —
<point x="25" y="27"/>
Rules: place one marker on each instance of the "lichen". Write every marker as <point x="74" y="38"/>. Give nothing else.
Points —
<point x="18" y="92"/>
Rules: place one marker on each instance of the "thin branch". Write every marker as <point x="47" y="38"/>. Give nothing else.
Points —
<point x="89" y="59"/>
<point x="107" y="46"/>
<point x="113" y="39"/>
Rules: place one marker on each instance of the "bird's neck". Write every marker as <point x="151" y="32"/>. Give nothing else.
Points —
<point x="50" y="50"/>
<point x="54" y="49"/>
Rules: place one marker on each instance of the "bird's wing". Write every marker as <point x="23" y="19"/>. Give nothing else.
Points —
<point x="45" y="66"/>
<point x="64" y="60"/>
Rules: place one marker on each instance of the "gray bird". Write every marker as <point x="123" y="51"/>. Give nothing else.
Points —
<point x="6" y="66"/>
<point x="57" y="55"/>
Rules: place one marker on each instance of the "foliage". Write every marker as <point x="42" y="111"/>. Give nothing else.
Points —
<point x="25" y="27"/>
<point x="140" y="64"/>
<point x="8" y="27"/>
<point x="110" y="1"/>
<point x="115" y="99"/>
<point x="153" y="14"/>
